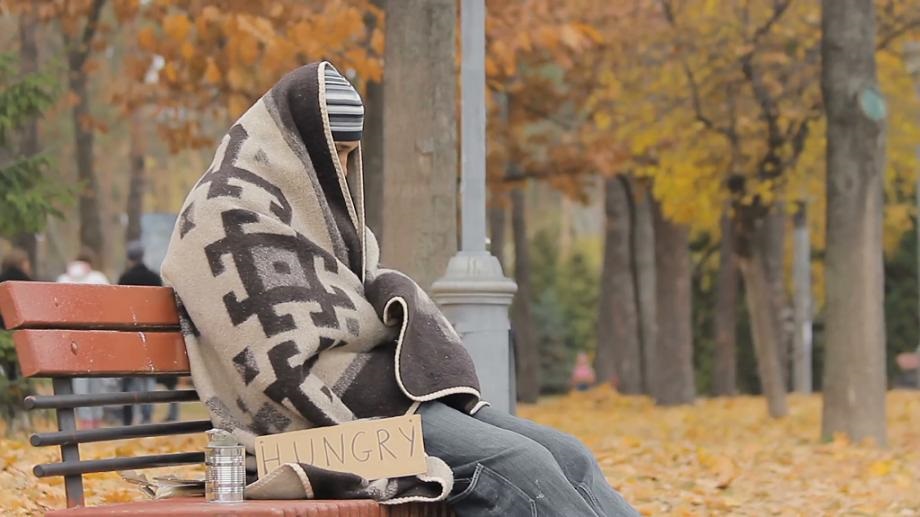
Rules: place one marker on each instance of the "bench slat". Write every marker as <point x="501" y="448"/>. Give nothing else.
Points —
<point x="120" y="433"/>
<point x="199" y="507"/>
<point x="109" y="399"/>
<point x="72" y="306"/>
<point x="114" y="464"/>
<point x="97" y="353"/>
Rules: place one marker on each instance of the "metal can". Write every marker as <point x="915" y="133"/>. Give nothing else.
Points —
<point x="225" y="473"/>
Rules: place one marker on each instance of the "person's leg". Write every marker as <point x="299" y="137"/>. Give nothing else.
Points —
<point x="105" y="414"/>
<point x="577" y="462"/>
<point x="173" y="413"/>
<point x="147" y="384"/>
<point x="497" y="472"/>
<point x="170" y="383"/>
<point x="84" y="414"/>
<point x="127" y="411"/>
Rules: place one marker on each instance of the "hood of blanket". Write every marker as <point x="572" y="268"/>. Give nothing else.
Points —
<point x="299" y="101"/>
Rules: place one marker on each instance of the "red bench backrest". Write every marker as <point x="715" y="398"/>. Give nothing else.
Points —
<point x="63" y="331"/>
<point x="93" y="330"/>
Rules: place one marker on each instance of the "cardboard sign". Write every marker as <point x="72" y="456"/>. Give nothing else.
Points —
<point x="372" y="449"/>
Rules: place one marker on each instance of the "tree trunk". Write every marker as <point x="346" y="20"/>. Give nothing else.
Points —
<point x="497" y="219"/>
<point x="618" y="358"/>
<point x="673" y="382"/>
<point x="724" y="375"/>
<point x="565" y="228"/>
<point x="642" y="243"/>
<point x="773" y="237"/>
<point x="854" y="366"/>
<point x="497" y="197"/>
<point x="28" y="64"/>
<point x="420" y="138"/>
<point x="77" y="52"/>
<point x="372" y="147"/>
<point x="136" y="186"/>
<point x="801" y="357"/>
<point x="764" y="329"/>
<point x="527" y="356"/>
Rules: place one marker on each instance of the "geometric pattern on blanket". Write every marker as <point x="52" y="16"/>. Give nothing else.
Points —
<point x="275" y="269"/>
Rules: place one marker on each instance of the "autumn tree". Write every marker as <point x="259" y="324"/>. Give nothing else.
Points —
<point x="136" y="99"/>
<point x="528" y="136"/>
<point x="645" y="280"/>
<point x="372" y="137"/>
<point x="527" y="354"/>
<point x="724" y="371"/>
<point x="672" y="357"/>
<point x="78" y="38"/>
<point x="854" y="379"/>
<point x="213" y="62"/>
<point x="619" y="355"/>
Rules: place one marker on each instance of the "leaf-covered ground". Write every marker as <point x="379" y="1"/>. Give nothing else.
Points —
<point x="726" y="457"/>
<point x="718" y="457"/>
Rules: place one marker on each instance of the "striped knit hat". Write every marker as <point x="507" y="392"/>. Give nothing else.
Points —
<point x="346" y="111"/>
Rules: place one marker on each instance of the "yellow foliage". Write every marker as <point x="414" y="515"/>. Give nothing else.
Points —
<point x="602" y="120"/>
<point x="212" y="72"/>
<point x="176" y="26"/>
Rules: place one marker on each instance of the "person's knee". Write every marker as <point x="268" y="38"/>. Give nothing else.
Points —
<point x="576" y="448"/>
<point x="525" y="457"/>
<point x="575" y="458"/>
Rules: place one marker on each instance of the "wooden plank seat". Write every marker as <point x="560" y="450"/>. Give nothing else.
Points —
<point x="62" y="331"/>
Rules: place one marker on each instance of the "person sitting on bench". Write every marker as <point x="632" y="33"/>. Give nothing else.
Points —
<point x="290" y="323"/>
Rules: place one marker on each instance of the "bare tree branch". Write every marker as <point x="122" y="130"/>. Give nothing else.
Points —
<point x="78" y="52"/>
<point x="885" y="39"/>
<point x="779" y="8"/>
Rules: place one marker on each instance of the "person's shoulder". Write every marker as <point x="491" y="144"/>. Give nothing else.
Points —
<point x="152" y="277"/>
<point x="97" y="277"/>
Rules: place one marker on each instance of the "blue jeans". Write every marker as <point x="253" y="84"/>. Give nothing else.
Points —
<point x="507" y="466"/>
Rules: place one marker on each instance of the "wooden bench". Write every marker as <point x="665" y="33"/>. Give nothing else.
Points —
<point x="62" y="331"/>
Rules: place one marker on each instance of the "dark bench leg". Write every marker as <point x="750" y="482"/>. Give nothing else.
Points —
<point x="73" y="484"/>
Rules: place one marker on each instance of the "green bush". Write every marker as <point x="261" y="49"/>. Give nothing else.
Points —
<point x="564" y="304"/>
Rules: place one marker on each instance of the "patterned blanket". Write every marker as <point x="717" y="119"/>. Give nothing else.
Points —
<point x="288" y="321"/>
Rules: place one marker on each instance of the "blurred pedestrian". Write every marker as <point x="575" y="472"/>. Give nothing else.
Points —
<point x="15" y="267"/>
<point x="170" y="382"/>
<point x="137" y="273"/>
<point x="583" y="376"/>
<point x="81" y="271"/>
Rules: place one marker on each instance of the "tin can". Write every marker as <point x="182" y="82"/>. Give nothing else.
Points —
<point x="225" y="473"/>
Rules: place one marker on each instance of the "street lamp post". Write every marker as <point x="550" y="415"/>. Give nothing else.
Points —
<point x="474" y="293"/>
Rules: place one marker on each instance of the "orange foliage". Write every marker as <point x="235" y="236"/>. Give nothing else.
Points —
<point x="218" y="61"/>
